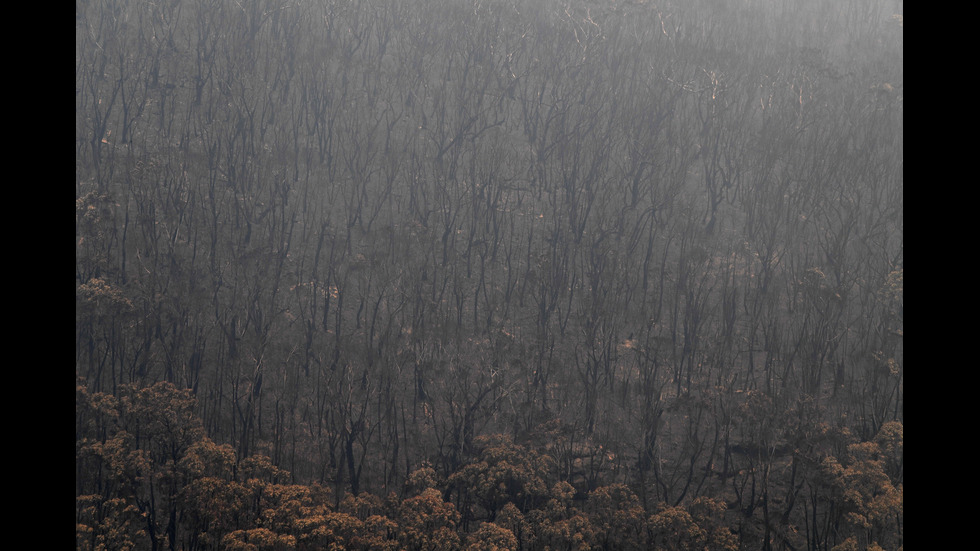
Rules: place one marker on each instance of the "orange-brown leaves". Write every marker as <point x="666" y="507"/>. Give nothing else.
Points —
<point x="505" y="472"/>
<point x="490" y="537"/>
<point x="426" y="522"/>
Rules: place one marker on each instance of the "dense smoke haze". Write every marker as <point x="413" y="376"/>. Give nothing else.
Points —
<point x="505" y="274"/>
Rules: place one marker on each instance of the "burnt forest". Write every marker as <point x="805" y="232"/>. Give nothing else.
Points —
<point x="517" y="275"/>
